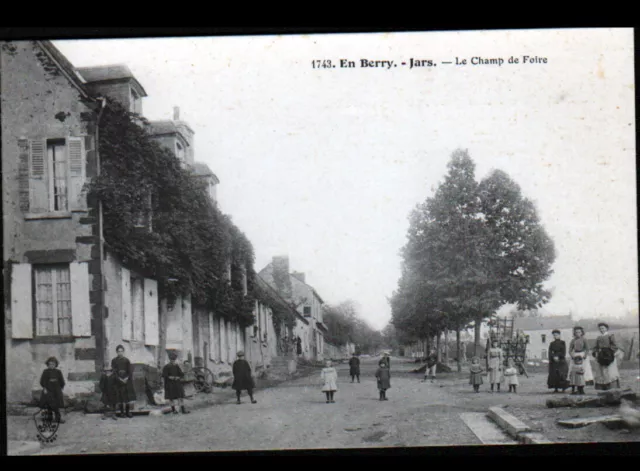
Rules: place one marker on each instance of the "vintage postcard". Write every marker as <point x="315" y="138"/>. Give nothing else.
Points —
<point x="320" y="241"/>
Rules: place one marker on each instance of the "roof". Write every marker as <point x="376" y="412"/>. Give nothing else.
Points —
<point x="63" y="63"/>
<point x="203" y="170"/>
<point x="544" y="323"/>
<point x="108" y="72"/>
<point x="267" y="287"/>
<point x="308" y="286"/>
<point x="158" y="128"/>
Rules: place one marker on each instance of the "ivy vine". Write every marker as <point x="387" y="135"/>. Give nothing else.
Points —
<point x="190" y="241"/>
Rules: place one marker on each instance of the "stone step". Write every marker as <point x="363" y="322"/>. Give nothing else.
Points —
<point x="509" y="423"/>
<point x="486" y="431"/>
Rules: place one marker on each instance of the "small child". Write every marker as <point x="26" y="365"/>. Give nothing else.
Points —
<point x="383" y="375"/>
<point x="576" y="376"/>
<point x="476" y="372"/>
<point x="107" y="386"/>
<point x="511" y="375"/>
<point x="432" y="362"/>
<point x="329" y="377"/>
<point x="173" y="389"/>
<point x="52" y="383"/>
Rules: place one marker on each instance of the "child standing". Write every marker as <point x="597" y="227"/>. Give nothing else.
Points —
<point x="432" y="363"/>
<point x="329" y="377"/>
<point x="577" y="375"/>
<point x="511" y="375"/>
<point x="124" y="391"/>
<point x="52" y="383"/>
<point x="108" y="398"/>
<point x="383" y="376"/>
<point x="242" y="378"/>
<point x="476" y="372"/>
<point x="173" y="389"/>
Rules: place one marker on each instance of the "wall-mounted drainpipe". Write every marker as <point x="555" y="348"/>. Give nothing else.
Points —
<point x="103" y="323"/>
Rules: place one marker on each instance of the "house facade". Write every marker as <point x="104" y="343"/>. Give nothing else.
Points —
<point x="52" y="250"/>
<point x="539" y="331"/>
<point x="69" y="296"/>
<point x="308" y="303"/>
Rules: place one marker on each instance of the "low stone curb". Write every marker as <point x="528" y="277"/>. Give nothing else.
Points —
<point x="515" y="428"/>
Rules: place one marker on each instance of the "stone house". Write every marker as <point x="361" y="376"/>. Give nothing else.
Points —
<point x="293" y="288"/>
<point x="52" y="248"/>
<point x="539" y="331"/>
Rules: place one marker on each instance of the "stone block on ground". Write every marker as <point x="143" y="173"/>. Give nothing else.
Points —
<point x="583" y="422"/>
<point x="574" y="401"/>
<point x="614" y="396"/>
<point x="509" y="423"/>
<point x="534" y="438"/>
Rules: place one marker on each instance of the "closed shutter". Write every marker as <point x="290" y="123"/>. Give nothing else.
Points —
<point x="212" y="342"/>
<point x="38" y="177"/>
<point x="80" y="306"/>
<point x="21" y="306"/>
<point x="126" y="304"/>
<point x="76" y="161"/>
<point x="151" y="312"/>
<point x="23" y="174"/>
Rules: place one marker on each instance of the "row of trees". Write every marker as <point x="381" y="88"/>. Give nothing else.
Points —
<point x="345" y="325"/>
<point x="471" y="248"/>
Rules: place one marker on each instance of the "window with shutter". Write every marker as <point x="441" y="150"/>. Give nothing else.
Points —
<point x="53" y="300"/>
<point x="23" y="174"/>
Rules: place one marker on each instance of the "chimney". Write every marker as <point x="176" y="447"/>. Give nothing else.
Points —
<point x="298" y="275"/>
<point x="281" y="276"/>
<point x="176" y="113"/>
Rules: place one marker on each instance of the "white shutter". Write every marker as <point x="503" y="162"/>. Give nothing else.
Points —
<point x="21" y="305"/>
<point x="126" y="304"/>
<point x="76" y="162"/>
<point x="151" y="309"/>
<point x="80" y="306"/>
<point x="38" y="177"/>
<point x="212" y="343"/>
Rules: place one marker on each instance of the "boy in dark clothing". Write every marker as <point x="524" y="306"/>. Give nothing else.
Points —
<point x="52" y="383"/>
<point x="383" y="375"/>
<point x="108" y="388"/>
<point x="242" y="378"/>
<point x="173" y="389"/>
<point x="354" y="367"/>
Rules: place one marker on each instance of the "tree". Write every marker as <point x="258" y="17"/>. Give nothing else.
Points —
<point x="471" y="249"/>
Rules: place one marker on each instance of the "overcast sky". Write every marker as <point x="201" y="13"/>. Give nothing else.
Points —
<point x="324" y="165"/>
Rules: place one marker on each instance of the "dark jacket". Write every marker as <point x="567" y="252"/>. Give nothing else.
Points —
<point x="558" y="370"/>
<point x="242" y="378"/>
<point x="123" y="370"/>
<point x="108" y="389"/>
<point x="173" y="389"/>
<point x="384" y="378"/>
<point x="53" y="382"/>
<point x="354" y="366"/>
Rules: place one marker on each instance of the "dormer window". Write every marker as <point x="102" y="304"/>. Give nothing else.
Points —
<point x="179" y="151"/>
<point x="135" y="102"/>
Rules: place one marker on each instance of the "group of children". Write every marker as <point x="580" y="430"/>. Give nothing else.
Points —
<point x="329" y="377"/>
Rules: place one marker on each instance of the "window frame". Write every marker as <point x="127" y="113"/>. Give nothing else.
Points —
<point x="34" y="296"/>
<point x="543" y="338"/>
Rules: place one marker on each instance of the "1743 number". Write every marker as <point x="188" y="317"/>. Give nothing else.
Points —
<point x="322" y="64"/>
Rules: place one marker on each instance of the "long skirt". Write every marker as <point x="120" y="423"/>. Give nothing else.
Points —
<point x="558" y="373"/>
<point x="588" y="372"/>
<point x="607" y="376"/>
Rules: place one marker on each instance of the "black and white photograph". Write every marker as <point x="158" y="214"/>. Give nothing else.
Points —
<point x="322" y="241"/>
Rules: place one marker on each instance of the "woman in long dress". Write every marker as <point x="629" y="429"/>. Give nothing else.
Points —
<point x="495" y="365"/>
<point x="607" y="375"/>
<point x="558" y="366"/>
<point x="578" y="347"/>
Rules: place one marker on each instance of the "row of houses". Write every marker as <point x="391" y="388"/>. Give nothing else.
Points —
<point x="69" y="295"/>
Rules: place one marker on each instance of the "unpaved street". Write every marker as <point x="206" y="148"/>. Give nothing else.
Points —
<point x="294" y="415"/>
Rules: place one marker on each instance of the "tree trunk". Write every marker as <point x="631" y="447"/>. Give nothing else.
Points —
<point x="478" y="323"/>
<point x="459" y="354"/>
<point x="438" y="349"/>
<point x="446" y="346"/>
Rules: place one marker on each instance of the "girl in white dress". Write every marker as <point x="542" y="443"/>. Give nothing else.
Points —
<point x="329" y="377"/>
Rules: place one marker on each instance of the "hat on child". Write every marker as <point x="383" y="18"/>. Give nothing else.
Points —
<point x="240" y="353"/>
